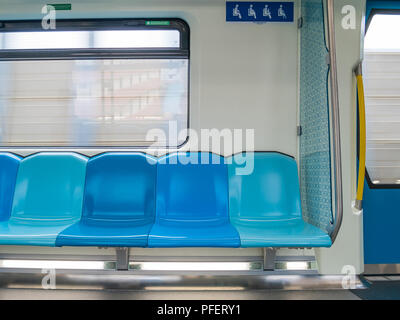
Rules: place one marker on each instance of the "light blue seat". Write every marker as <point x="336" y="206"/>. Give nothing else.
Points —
<point x="119" y="202"/>
<point x="9" y="164"/>
<point x="192" y="203"/>
<point x="265" y="205"/>
<point x="47" y="199"/>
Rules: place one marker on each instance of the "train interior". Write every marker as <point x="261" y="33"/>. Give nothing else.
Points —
<point x="199" y="149"/>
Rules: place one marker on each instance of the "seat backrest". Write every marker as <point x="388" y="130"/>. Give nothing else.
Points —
<point x="9" y="164"/>
<point x="49" y="188"/>
<point x="192" y="192"/>
<point x="270" y="192"/>
<point x="120" y="187"/>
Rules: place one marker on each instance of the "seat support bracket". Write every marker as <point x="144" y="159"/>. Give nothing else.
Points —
<point x="269" y="258"/>
<point x="122" y="261"/>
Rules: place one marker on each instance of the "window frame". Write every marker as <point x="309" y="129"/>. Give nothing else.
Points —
<point x="372" y="185"/>
<point x="108" y="24"/>
<point x="96" y="53"/>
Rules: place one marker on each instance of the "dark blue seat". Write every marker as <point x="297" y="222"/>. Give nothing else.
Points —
<point x="9" y="164"/>
<point x="192" y="203"/>
<point x="119" y="202"/>
<point x="265" y="205"/>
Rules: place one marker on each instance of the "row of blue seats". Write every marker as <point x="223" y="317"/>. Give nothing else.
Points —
<point x="135" y="200"/>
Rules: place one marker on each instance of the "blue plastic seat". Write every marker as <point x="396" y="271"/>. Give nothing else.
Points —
<point x="265" y="206"/>
<point x="119" y="202"/>
<point x="9" y="164"/>
<point x="47" y="199"/>
<point x="192" y="203"/>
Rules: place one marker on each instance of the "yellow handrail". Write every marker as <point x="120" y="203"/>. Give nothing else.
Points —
<point x="362" y="139"/>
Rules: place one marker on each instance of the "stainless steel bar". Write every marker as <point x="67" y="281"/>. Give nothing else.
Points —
<point x="334" y="106"/>
<point x="176" y="282"/>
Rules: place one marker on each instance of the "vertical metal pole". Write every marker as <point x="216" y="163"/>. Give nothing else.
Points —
<point x="334" y="106"/>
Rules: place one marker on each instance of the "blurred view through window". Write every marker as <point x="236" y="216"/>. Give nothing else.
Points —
<point x="91" y="102"/>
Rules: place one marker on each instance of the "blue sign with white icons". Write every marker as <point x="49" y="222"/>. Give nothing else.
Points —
<point x="240" y="11"/>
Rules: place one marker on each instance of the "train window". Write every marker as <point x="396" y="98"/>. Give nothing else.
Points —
<point x="382" y="96"/>
<point x="93" y="83"/>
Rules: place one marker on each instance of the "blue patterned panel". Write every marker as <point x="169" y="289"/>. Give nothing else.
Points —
<point x="315" y="159"/>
